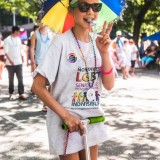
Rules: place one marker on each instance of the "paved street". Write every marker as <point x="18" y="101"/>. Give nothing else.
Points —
<point x="132" y="111"/>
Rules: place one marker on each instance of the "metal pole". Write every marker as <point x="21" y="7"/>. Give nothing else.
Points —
<point x="14" y="18"/>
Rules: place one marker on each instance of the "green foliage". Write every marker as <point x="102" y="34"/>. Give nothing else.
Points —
<point x="140" y="15"/>
<point x="145" y="12"/>
<point x="29" y="8"/>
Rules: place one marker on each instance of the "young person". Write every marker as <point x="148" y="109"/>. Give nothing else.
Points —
<point x="76" y="65"/>
<point x="2" y="57"/>
<point x="120" y="53"/>
<point x="13" y="51"/>
<point x="134" y="54"/>
<point x="40" y="41"/>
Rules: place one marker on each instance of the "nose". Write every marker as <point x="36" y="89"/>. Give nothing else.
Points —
<point x="90" y="11"/>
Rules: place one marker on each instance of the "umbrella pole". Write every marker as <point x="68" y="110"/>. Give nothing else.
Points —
<point x="85" y="138"/>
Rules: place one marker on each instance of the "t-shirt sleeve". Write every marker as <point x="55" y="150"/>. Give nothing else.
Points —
<point x="6" y="46"/>
<point x="48" y="67"/>
<point x="135" y="49"/>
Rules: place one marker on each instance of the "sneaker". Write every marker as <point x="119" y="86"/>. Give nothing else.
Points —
<point x="44" y="108"/>
<point x="11" y="97"/>
<point x="22" y="97"/>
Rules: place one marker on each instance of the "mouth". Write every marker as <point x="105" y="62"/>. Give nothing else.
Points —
<point x="90" y="21"/>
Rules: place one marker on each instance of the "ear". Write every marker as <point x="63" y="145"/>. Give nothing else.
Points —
<point x="70" y="10"/>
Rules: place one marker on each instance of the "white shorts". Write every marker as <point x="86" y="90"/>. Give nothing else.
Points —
<point x="97" y="133"/>
<point x="122" y="59"/>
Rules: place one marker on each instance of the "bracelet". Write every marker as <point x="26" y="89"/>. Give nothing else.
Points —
<point x="106" y="73"/>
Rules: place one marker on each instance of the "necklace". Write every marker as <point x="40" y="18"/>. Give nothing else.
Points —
<point x="44" y="40"/>
<point x="15" y="44"/>
<point x="90" y="83"/>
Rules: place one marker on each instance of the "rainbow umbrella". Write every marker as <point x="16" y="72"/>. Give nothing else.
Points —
<point x="55" y="14"/>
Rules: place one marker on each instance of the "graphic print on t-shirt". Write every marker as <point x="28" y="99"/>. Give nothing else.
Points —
<point x="72" y="58"/>
<point x="85" y="96"/>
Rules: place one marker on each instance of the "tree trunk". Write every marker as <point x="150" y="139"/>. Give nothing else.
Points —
<point x="140" y="18"/>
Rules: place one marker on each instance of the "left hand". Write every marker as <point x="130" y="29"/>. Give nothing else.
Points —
<point x="103" y="41"/>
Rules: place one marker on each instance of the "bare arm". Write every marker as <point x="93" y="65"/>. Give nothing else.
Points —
<point x="32" y="48"/>
<point x="103" y="43"/>
<point x="39" y="88"/>
<point x="9" y="59"/>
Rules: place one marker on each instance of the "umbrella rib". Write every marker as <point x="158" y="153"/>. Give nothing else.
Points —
<point x="63" y="4"/>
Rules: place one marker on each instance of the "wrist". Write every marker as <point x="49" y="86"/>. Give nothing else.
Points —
<point x="64" y="114"/>
<point x="107" y="72"/>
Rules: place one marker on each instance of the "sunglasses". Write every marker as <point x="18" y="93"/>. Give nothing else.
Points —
<point x="84" y="7"/>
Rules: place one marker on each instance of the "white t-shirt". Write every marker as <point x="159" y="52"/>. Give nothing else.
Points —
<point x="13" y="48"/>
<point x="63" y="66"/>
<point x="134" y="52"/>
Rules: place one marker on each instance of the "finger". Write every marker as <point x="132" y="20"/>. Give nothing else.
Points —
<point x="109" y="29"/>
<point x="104" y="28"/>
<point x="81" y="129"/>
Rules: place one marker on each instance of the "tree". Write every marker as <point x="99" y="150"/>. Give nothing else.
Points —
<point x="141" y="16"/>
<point x="29" y="8"/>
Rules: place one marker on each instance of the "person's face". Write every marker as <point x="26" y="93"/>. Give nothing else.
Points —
<point x="43" y="27"/>
<point x="118" y="36"/>
<point x="84" y="13"/>
<point x="153" y="48"/>
<point x="17" y="33"/>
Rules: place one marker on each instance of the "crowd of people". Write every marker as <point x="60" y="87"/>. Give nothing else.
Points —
<point x="124" y="53"/>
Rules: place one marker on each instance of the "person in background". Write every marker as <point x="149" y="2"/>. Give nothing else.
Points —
<point x="35" y="27"/>
<point x="14" y="60"/>
<point x="2" y="56"/>
<point x="142" y="49"/>
<point x="40" y="42"/>
<point x="150" y="55"/>
<point x="127" y="51"/>
<point x="113" y="53"/>
<point x="120" y="53"/>
<point x="134" y="54"/>
<point x="76" y="65"/>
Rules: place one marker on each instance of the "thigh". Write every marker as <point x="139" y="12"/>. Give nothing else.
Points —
<point x="19" y="71"/>
<point x="144" y="59"/>
<point x="93" y="153"/>
<point x="133" y="63"/>
<point x="11" y="71"/>
<point x="74" y="156"/>
<point x="149" y="60"/>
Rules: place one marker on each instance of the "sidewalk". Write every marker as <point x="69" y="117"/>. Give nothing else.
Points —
<point x="132" y="112"/>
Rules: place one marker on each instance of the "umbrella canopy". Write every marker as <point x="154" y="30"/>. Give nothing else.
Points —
<point x="153" y="37"/>
<point x="56" y="16"/>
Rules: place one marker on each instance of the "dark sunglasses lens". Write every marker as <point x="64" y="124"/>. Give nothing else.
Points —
<point x="96" y="7"/>
<point x="83" y="7"/>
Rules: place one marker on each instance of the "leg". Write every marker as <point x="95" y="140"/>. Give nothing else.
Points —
<point x="127" y="71"/>
<point x="132" y="67"/>
<point x="19" y="75"/>
<point x="74" y="156"/>
<point x="1" y="68"/>
<point x="144" y="61"/>
<point x="93" y="152"/>
<point x="123" y="69"/>
<point x="11" y="71"/>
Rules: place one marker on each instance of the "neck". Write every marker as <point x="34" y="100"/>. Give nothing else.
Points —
<point x="81" y="34"/>
<point x="13" y="35"/>
<point x="43" y="30"/>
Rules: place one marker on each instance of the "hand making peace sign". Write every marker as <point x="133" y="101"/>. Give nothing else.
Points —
<point x="103" y="41"/>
